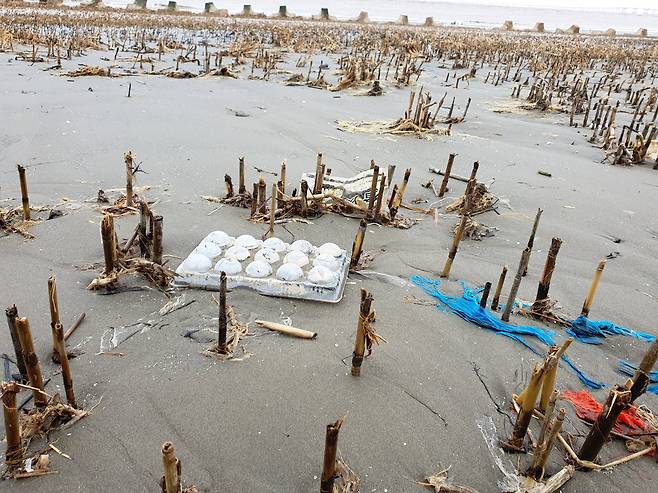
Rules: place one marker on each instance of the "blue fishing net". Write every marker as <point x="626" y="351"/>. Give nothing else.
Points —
<point x="468" y="307"/>
<point x="594" y="331"/>
<point x="628" y="368"/>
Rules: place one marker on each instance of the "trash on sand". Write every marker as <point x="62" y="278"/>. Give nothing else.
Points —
<point x="287" y="329"/>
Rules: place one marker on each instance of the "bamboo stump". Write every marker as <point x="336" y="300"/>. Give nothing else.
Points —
<point x="360" y="342"/>
<point x="32" y="362"/>
<point x="14" y="451"/>
<point x="329" y="463"/>
<point x="25" y="199"/>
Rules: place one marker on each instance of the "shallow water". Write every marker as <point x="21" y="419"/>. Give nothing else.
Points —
<point x="627" y="20"/>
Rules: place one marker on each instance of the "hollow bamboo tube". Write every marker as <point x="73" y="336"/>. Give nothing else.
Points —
<point x="25" y="198"/>
<point x="128" y="160"/>
<point x="548" y="414"/>
<point x="403" y="188"/>
<point x="12" y="313"/>
<point x="531" y="239"/>
<point x="357" y="246"/>
<point x="373" y="190"/>
<point x="109" y="247"/>
<point x="542" y="455"/>
<point x="157" y="240"/>
<point x="485" y="295"/>
<point x="618" y="399"/>
<point x="241" y="185"/>
<point x="329" y="463"/>
<point x="459" y="233"/>
<point x="380" y="196"/>
<point x="360" y="342"/>
<point x="499" y="289"/>
<point x="282" y="177"/>
<point x="287" y="330"/>
<point x="446" y="175"/>
<point x="592" y="289"/>
<point x="54" y="308"/>
<point x="31" y="361"/>
<point x="515" y="285"/>
<point x="14" y="451"/>
<point x="229" y="186"/>
<point x="60" y="348"/>
<point x="548" y="382"/>
<point x="527" y="407"/>
<point x="222" y="323"/>
<point x="549" y="267"/>
<point x="642" y="378"/>
<point x="170" y="463"/>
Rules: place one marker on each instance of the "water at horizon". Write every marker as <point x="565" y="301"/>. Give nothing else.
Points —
<point x="623" y="20"/>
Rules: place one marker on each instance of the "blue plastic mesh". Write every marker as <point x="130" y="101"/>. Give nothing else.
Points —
<point x="628" y="368"/>
<point x="468" y="307"/>
<point x="594" y="331"/>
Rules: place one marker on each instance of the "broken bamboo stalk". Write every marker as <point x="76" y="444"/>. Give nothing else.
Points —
<point x="282" y="177"/>
<point x="74" y="326"/>
<point x="485" y="295"/>
<point x="592" y="289"/>
<point x="270" y="231"/>
<point x="317" y="185"/>
<point x="531" y="239"/>
<point x="14" y="451"/>
<point x="262" y="195"/>
<point x="641" y="379"/>
<point x="525" y="256"/>
<point x="25" y="199"/>
<point x="459" y="233"/>
<point x="222" y="321"/>
<point x="548" y="414"/>
<point x="287" y="329"/>
<point x="329" y="463"/>
<point x="54" y="308"/>
<point x="618" y="399"/>
<point x="156" y="257"/>
<point x="171" y="479"/>
<point x="380" y="197"/>
<point x="373" y="190"/>
<point x="446" y="175"/>
<point x="304" y="197"/>
<point x="549" y="267"/>
<point x="12" y="313"/>
<point x="389" y="174"/>
<point x="128" y="160"/>
<point x="229" y="186"/>
<point x="60" y="349"/>
<point x="544" y="448"/>
<point x="402" y="190"/>
<point x="357" y="246"/>
<point x="241" y="184"/>
<point x="452" y="177"/>
<point x="109" y="247"/>
<point x="499" y="289"/>
<point x="360" y="342"/>
<point x="31" y="361"/>
<point x="254" y="199"/>
<point x="527" y="406"/>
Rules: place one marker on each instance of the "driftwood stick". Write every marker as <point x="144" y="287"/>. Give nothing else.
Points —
<point x="499" y="289"/>
<point x="360" y="342"/>
<point x="71" y="330"/>
<point x="12" y="313"/>
<point x="446" y="175"/>
<point x="58" y="336"/>
<point x="32" y="361"/>
<point x="485" y="295"/>
<point x="14" y="452"/>
<point x="157" y="240"/>
<point x="525" y="256"/>
<point x="596" y="280"/>
<point x="25" y="198"/>
<point x="287" y="330"/>
<point x="329" y="463"/>
<point x="229" y="186"/>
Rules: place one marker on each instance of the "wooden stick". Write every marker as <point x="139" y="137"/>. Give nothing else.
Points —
<point x="54" y="308"/>
<point x="403" y="188"/>
<point x="317" y="185"/>
<point x="32" y="361"/>
<point x="128" y="160"/>
<point x="360" y="342"/>
<point x="144" y="215"/>
<point x="515" y="444"/>
<point x="60" y="348"/>
<point x="380" y="197"/>
<point x="499" y="289"/>
<point x="24" y="193"/>
<point x="282" y="177"/>
<point x="171" y="479"/>
<point x="221" y="339"/>
<point x="485" y="295"/>
<point x="458" y="234"/>
<point x="641" y="378"/>
<point x="531" y="240"/>
<point x="12" y="313"/>
<point x="262" y="195"/>
<point x="446" y="175"/>
<point x="525" y="256"/>
<point x="229" y="186"/>
<point x="75" y="326"/>
<point x="618" y="399"/>
<point x="357" y="246"/>
<point x="157" y="239"/>
<point x="304" y="197"/>
<point x="329" y="463"/>
<point x="592" y="289"/>
<point x="373" y="190"/>
<point x="14" y="453"/>
<point x="109" y="247"/>
<point x="549" y="267"/>
<point x="287" y="330"/>
<point x="241" y="186"/>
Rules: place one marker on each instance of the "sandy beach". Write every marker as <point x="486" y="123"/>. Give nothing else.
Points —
<point x="257" y="423"/>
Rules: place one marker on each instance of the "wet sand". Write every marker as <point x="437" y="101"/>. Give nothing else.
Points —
<point x="258" y="424"/>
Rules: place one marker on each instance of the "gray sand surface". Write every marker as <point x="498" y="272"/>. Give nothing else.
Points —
<point x="258" y="424"/>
